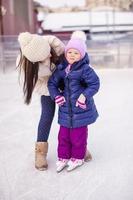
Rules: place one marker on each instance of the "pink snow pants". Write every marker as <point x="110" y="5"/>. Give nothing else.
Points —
<point x="72" y="142"/>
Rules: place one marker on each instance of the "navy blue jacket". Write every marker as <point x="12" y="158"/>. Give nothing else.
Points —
<point x="81" y="79"/>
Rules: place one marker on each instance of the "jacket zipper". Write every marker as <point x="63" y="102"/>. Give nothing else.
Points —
<point x="70" y="105"/>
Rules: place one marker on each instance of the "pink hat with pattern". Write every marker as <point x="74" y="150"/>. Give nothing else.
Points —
<point x="78" y="44"/>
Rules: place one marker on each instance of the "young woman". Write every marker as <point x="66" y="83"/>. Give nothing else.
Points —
<point x="37" y="61"/>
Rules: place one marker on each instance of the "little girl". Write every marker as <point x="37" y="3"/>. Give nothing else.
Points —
<point x="76" y="104"/>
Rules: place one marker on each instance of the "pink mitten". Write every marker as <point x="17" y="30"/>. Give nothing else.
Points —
<point x="60" y="100"/>
<point x="81" y="102"/>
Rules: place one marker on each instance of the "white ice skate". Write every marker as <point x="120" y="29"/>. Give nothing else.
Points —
<point x="74" y="163"/>
<point x="61" y="164"/>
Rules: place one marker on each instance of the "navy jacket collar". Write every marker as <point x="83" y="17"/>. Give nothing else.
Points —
<point x="75" y="65"/>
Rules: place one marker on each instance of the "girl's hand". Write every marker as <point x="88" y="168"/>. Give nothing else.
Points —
<point x="81" y="102"/>
<point x="60" y="100"/>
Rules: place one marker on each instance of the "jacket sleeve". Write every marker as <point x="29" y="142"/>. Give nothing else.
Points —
<point x="56" y="44"/>
<point x="53" y="84"/>
<point x="92" y="82"/>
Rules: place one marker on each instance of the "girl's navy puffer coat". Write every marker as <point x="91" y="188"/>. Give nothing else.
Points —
<point x="81" y="79"/>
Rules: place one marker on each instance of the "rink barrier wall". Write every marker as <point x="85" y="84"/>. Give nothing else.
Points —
<point x="102" y="53"/>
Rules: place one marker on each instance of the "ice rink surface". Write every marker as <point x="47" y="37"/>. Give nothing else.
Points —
<point x="109" y="176"/>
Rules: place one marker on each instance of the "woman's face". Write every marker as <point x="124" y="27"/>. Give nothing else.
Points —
<point x="73" y="55"/>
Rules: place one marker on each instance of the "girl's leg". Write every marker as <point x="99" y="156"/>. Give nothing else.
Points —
<point x="47" y="114"/>
<point x="64" y="145"/>
<point x="88" y="155"/>
<point x="79" y="142"/>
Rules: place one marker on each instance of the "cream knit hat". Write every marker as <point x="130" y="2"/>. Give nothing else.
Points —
<point x="34" y="47"/>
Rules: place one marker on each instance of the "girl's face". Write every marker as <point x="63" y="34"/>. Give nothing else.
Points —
<point x="73" y="55"/>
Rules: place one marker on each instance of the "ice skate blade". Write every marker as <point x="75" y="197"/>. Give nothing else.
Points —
<point x="58" y="171"/>
<point x="69" y="170"/>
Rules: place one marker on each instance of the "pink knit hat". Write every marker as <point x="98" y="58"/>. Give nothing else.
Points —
<point x="78" y="44"/>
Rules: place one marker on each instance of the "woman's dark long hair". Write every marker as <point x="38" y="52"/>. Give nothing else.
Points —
<point x="30" y="71"/>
